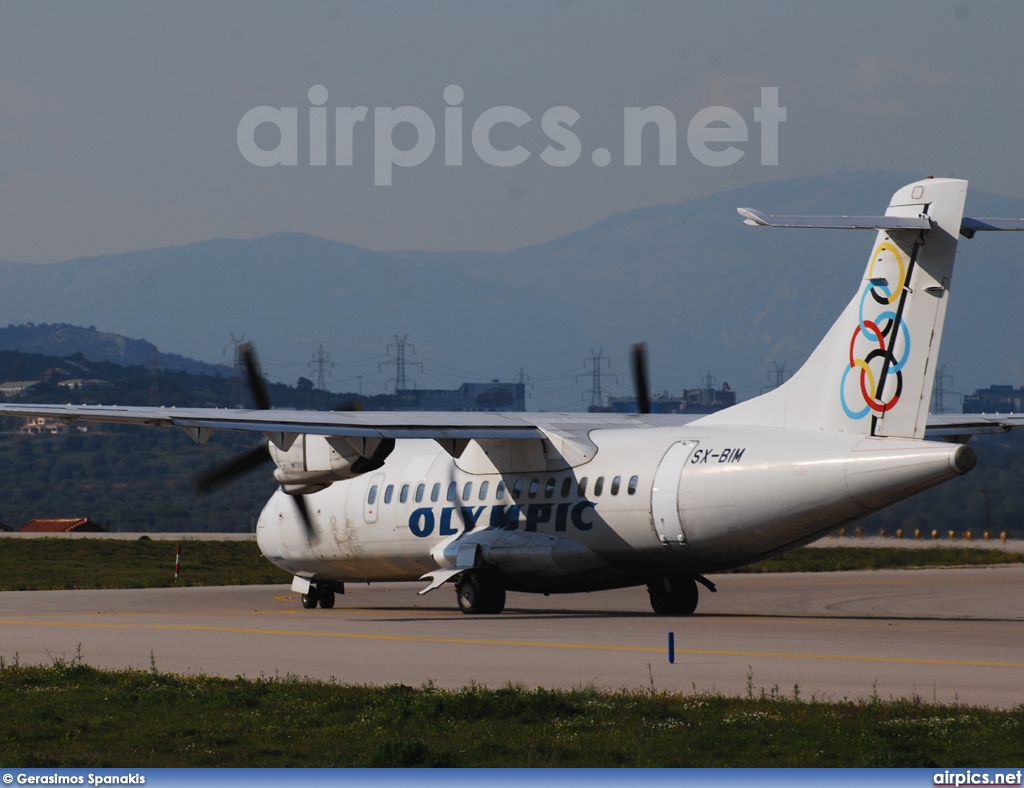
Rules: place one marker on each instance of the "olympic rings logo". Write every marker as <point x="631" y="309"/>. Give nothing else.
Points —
<point x="873" y="344"/>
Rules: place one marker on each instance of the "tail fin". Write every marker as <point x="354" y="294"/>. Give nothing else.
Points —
<point x="872" y="373"/>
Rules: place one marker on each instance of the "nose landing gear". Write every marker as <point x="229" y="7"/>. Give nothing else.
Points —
<point x="322" y="594"/>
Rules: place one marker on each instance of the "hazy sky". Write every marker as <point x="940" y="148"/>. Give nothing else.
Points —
<point x="119" y="121"/>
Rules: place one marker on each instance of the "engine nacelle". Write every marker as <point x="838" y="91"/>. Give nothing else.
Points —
<point x="313" y="462"/>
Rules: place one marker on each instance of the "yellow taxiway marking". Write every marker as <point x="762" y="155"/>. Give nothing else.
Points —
<point x="506" y="643"/>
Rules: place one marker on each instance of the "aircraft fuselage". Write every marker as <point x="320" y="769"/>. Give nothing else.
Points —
<point x="650" y="502"/>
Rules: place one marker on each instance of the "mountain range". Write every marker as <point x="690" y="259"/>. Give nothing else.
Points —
<point x="706" y="292"/>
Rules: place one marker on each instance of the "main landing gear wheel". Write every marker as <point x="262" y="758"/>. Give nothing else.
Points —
<point x="673" y="596"/>
<point x="327" y="598"/>
<point x="310" y="598"/>
<point x="480" y="593"/>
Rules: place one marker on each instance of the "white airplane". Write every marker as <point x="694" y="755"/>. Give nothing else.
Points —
<point x="552" y="503"/>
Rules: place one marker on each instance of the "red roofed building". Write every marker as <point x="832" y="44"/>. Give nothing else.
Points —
<point x="65" y="525"/>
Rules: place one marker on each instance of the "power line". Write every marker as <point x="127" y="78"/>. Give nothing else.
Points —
<point x="321" y="361"/>
<point x="780" y="377"/>
<point x="235" y="398"/>
<point x="939" y="390"/>
<point x="400" y="363"/>
<point x="598" y="362"/>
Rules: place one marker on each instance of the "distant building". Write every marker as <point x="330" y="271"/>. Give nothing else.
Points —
<point x="659" y="404"/>
<point x="493" y="396"/>
<point x="38" y="425"/>
<point x="995" y="399"/>
<point x="76" y="525"/>
<point x="82" y="384"/>
<point x="703" y="400"/>
<point x="708" y="400"/>
<point x="16" y="388"/>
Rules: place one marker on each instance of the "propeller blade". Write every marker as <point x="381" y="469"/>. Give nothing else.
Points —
<point x="209" y="480"/>
<point x="257" y="386"/>
<point x="639" y="359"/>
<point x="307" y="522"/>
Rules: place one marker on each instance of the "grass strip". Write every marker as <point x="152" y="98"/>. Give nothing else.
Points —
<point x="53" y="564"/>
<point x="849" y="559"/>
<point x="71" y="715"/>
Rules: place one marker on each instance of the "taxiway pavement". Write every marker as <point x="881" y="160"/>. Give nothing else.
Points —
<point x="941" y="634"/>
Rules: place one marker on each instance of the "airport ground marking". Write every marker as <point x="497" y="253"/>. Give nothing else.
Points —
<point x="508" y="643"/>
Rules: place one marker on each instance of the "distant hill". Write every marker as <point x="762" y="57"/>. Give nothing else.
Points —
<point x="61" y="340"/>
<point x="706" y="292"/>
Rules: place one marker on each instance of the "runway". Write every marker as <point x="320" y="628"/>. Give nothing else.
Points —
<point x="941" y="634"/>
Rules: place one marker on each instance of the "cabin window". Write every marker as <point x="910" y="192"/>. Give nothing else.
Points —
<point x="435" y="492"/>
<point x="633" y="481"/>
<point x="372" y="497"/>
<point x="581" y="491"/>
<point x="616" y="483"/>
<point x="534" y="488"/>
<point x="499" y="492"/>
<point x="549" y="488"/>
<point x="483" y="490"/>
<point x="420" y="489"/>
<point x="403" y="495"/>
<point x="566" y="486"/>
<point x="452" y="489"/>
<point x="599" y="485"/>
<point x="388" y="492"/>
<point x="517" y="490"/>
<point x="467" y="491"/>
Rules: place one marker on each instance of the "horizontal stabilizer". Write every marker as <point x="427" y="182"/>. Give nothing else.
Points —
<point x="969" y="226"/>
<point x="963" y="425"/>
<point x="758" y="219"/>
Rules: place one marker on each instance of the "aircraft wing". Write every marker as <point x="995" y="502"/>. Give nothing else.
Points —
<point x="201" y="422"/>
<point x="963" y="425"/>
